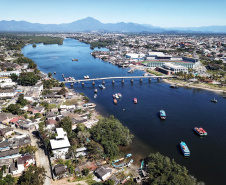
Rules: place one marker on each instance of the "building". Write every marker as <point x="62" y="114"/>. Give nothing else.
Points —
<point x="7" y="93"/>
<point x="60" y="145"/>
<point x="59" y="169"/>
<point x="8" y="73"/>
<point x="103" y="173"/>
<point x="170" y="68"/>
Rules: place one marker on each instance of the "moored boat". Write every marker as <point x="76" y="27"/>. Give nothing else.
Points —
<point x="135" y="100"/>
<point x="102" y="86"/>
<point x="95" y="96"/>
<point x="162" y="114"/>
<point x="119" y="95"/>
<point x="86" y="77"/>
<point x="184" y="148"/>
<point x="213" y="100"/>
<point x="74" y="59"/>
<point x="89" y="105"/>
<point x="95" y="90"/>
<point x="174" y="86"/>
<point x="115" y="101"/>
<point x="203" y="131"/>
<point x="198" y="131"/>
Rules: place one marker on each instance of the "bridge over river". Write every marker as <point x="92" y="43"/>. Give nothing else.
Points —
<point x="113" y="79"/>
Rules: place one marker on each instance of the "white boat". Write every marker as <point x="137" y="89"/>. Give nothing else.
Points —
<point x="89" y="105"/>
<point x="95" y="95"/>
<point x="86" y="77"/>
<point x="102" y="86"/>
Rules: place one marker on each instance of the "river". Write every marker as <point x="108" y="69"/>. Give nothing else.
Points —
<point x="186" y="108"/>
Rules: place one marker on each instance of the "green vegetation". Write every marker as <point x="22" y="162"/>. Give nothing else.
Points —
<point x="33" y="176"/>
<point x="7" y="180"/>
<point x="110" y="133"/>
<point x="28" y="79"/>
<point x="63" y="91"/>
<point x="85" y="171"/>
<point x="48" y="84"/>
<point x="28" y="149"/>
<point x="34" y="46"/>
<point x="154" y="72"/>
<point x="14" y="109"/>
<point x="66" y="124"/>
<point x="23" y="60"/>
<point x="162" y="170"/>
<point x="100" y="44"/>
<point x="21" y="100"/>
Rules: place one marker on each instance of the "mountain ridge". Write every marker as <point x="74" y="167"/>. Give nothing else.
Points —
<point x="91" y="24"/>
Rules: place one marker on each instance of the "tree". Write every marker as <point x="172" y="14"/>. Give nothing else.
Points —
<point x="14" y="109"/>
<point x="66" y="124"/>
<point x="95" y="150"/>
<point x="109" y="182"/>
<point x="21" y="100"/>
<point x="33" y="176"/>
<point x="62" y="84"/>
<point x="162" y="170"/>
<point x="63" y="91"/>
<point x="28" y="79"/>
<point x="14" y="77"/>
<point x="50" y="75"/>
<point x="38" y="115"/>
<point x="28" y="149"/>
<point x="85" y="171"/>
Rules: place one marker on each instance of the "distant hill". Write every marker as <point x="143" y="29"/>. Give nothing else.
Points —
<point x="91" y="24"/>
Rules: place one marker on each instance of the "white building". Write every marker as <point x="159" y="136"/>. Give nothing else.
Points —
<point x="61" y="144"/>
<point x="7" y="93"/>
<point x="8" y="73"/>
<point x="175" y="68"/>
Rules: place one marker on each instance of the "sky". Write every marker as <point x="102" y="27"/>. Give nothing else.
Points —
<point x="161" y="13"/>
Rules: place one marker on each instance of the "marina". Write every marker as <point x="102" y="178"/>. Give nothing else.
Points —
<point x="152" y="135"/>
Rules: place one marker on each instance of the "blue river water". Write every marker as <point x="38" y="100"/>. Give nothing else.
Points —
<point x="185" y="108"/>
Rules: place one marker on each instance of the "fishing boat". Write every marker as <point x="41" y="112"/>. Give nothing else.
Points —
<point x="74" y="59"/>
<point x="95" y="91"/>
<point x="95" y="96"/>
<point x="184" y="148"/>
<point x="135" y="100"/>
<point x="119" y="95"/>
<point x="198" y="131"/>
<point x="102" y="86"/>
<point x="115" y="96"/>
<point x="86" y="77"/>
<point x="162" y="114"/>
<point x="54" y="72"/>
<point x="203" y="131"/>
<point x="115" y="101"/>
<point x="213" y="100"/>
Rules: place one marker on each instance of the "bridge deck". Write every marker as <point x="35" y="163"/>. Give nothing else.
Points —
<point x="122" y="77"/>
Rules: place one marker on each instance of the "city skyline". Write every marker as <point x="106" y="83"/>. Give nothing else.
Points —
<point x="161" y="14"/>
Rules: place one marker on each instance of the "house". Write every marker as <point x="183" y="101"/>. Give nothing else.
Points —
<point x="103" y="173"/>
<point x="5" y="117"/>
<point x="26" y="125"/>
<point x="81" y="151"/>
<point x="51" y="123"/>
<point x="6" y="131"/>
<point x="35" y="110"/>
<point x="7" y="93"/>
<point x="60" y="169"/>
<point x="22" y="163"/>
<point x="60" y="145"/>
<point x="51" y="115"/>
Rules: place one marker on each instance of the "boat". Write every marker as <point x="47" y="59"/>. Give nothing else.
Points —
<point x="95" y="91"/>
<point x="95" y="95"/>
<point x="135" y="100"/>
<point x="89" y="105"/>
<point x="123" y="109"/>
<point x="213" y="100"/>
<point x="184" y="148"/>
<point x="162" y="114"/>
<point x="115" y="101"/>
<point x="224" y="97"/>
<point x="128" y="155"/>
<point x="102" y="86"/>
<point x="198" y="131"/>
<point x="119" y="95"/>
<point x="74" y="59"/>
<point x="142" y="165"/>
<point x="174" y="86"/>
<point x="145" y="74"/>
<point x="203" y="131"/>
<point x="54" y="72"/>
<point x="131" y="161"/>
<point x="86" y="77"/>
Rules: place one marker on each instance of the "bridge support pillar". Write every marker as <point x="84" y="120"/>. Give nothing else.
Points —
<point x="93" y="83"/>
<point x="122" y="80"/>
<point x="113" y="81"/>
<point x="103" y="82"/>
<point x="131" y="80"/>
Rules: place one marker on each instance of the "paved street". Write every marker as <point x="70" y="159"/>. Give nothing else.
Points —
<point x="41" y="158"/>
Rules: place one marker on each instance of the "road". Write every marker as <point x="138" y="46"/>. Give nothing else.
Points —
<point x="41" y="158"/>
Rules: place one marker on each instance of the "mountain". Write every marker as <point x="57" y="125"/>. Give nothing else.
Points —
<point x="91" y="24"/>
